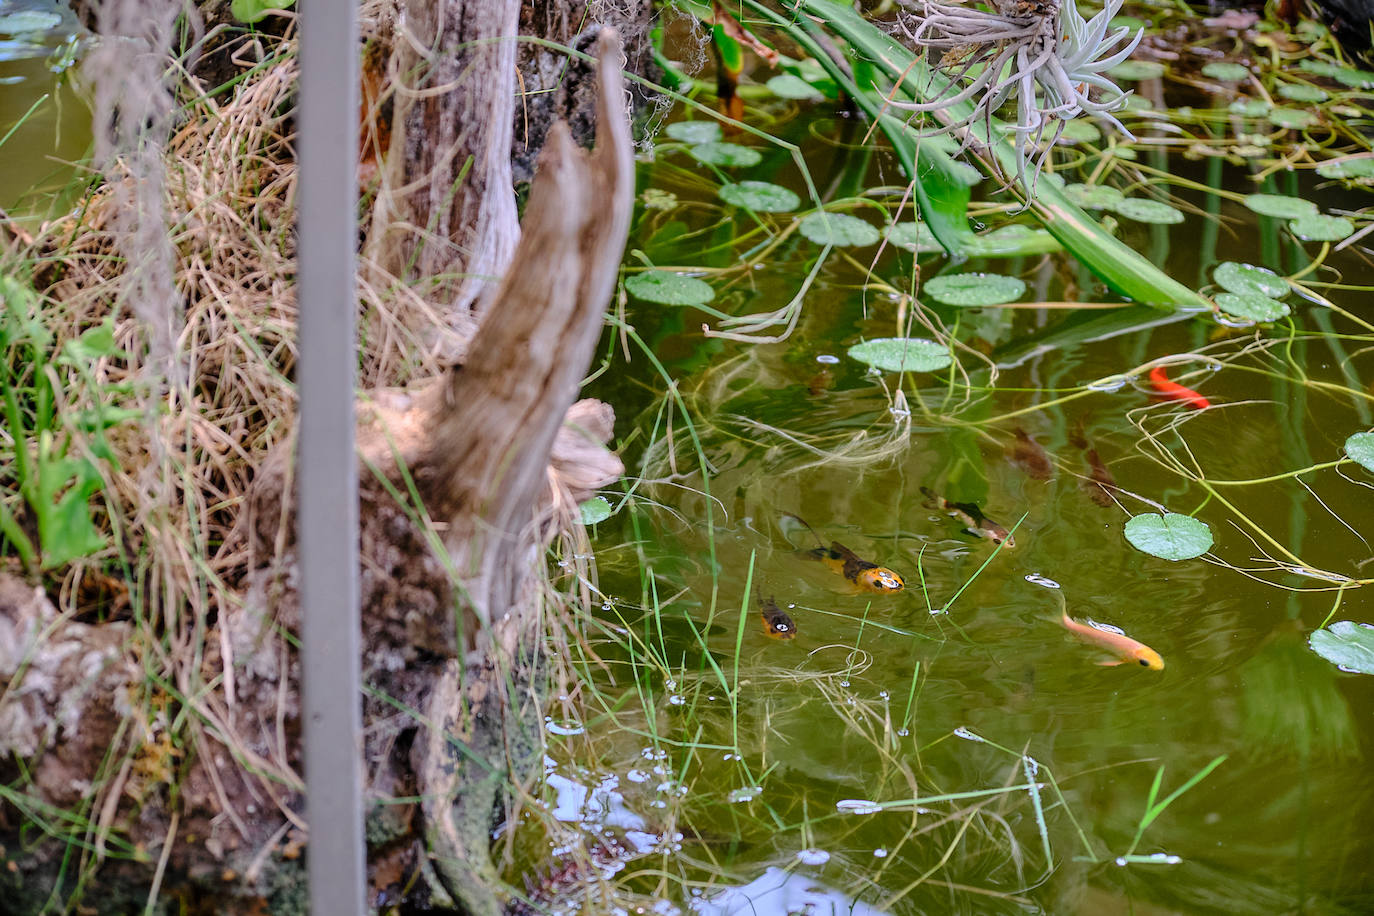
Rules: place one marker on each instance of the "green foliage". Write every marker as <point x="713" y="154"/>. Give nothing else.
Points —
<point x="669" y="288"/>
<point x="694" y="132"/>
<point x="1360" y="448"/>
<point x="787" y="86"/>
<point x="1225" y="70"/>
<point x="1319" y="228"/>
<point x="251" y="11"/>
<point x="1169" y="536"/>
<point x="727" y="154"/>
<point x="1280" y="206"/>
<point x="1347" y="645"/>
<point x="1148" y="211"/>
<point x="594" y="510"/>
<point x="837" y="229"/>
<point x="975" y="289"/>
<point x="1254" y="306"/>
<point x="759" y="196"/>
<point x="1245" y="279"/>
<point x="903" y="354"/>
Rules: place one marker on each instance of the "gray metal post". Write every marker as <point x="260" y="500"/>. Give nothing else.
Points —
<point x="326" y="469"/>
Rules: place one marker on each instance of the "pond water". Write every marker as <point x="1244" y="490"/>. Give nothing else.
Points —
<point x="951" y="748"/>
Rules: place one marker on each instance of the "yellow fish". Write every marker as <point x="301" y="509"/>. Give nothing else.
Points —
<point x="1120" y="648"/>
<point x="776" y="622"/>
<point x="868" y="576"/>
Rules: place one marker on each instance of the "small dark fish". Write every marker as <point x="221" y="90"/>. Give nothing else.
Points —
<point x="864" y="574"/>
<point x="978" y="524"/>
<point x="1101" y="483"/>
<point x="820" y="383"/>
<point x="1031" y="457"/>
<point x="776" y="622"/>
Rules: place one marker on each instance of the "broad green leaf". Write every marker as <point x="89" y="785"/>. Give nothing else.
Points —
<point x="693" y="131"/>
<point x="1347" y="645"/>
<point x="1322" y="228"/>
<point x="1280" y="206"/>
<point x="760" y="196"/>
<point x="1360" y="448"/>
<point x="1358" y="167"/>
<point x="1148" y="211"/>
<point x="1355" y="79"/>
<point x="1013" y="241"/>
<point x="1250" y="108"/>
<point x="1254" y="306"/>
<point x="837" y="229"/>
<point x="1225" y="70"/>
<point x="594" y="510"/>
<point x="1093" y="197"/>
<point x="669" y="288"/>
<point x="902" y="354"/>
<point x="911" y="236"/>
<point x="1132" y="70"/>
<point x="974" y="289"/>
<point x="251" y="11"/>
<point x="715" y="152"/>
<point x="787" y="86"/>
<point x="1080" y="131"/>
<point x="65" y="487"/>
<point x="1246" y="279"/>
<point x="1303" y="92"/>
<point x="21" y="21"/>
<point x="1170" y="536"/>
<point x="93" y="344"/>
<point x="1292" y="118"/>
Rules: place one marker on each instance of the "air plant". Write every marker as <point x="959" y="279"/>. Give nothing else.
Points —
<point x="1044" y="51"/>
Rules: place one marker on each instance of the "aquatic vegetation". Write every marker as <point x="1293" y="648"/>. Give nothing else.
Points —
<point x="1347" y="645"/>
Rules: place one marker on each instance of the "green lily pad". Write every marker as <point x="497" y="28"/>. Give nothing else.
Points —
<point x="669" y="288"/>
<point x="1347" y="645"/>
<point x="693" y="131"/>
<point x="902" y="354"/>
<point x="594" y="510"/>
<point x="22" y="21"/>
<point x="1077" y="131"/>
<point x="1148" y="211"/>
<point x="1170" y="536"/>
<point x="1096" y="197"/>
<point x="1303" y="92"/>
<point x="1280" y="205"/>
<point x="760" y="196"/>
<point x="1360" y="449"/>
<point x="1249" y="108"/>
<point x="974" y="289"/>
<point x="1362" y="167"/>
<point x="1245" y="279"/>
<point x="1131" y="70"/>
<point x="1322" y="228"/>
<point x="787" y="86"/>
<point x="914" y="237"/>
<point x="1254" y="306"/>
<point x="1291" y="118"/>
<point x="837" y="229"/>
<point x="1225" y="70"/>
<point x="730" y="154"/>
<point x="1012" y="241"/>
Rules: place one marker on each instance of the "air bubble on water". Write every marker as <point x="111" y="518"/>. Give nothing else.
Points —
<point x="637" y="776"/>
<point x="676" y="700"/>
<point x="557" y="728"/>
<point x="1032" y="765"/>
<point x="728" y="756"/>
<point x="1347" y="669"/>
<point x="882" y="694"/>
<point x="748" y="793"/>
<point x="936" y="611"/>
<point x="858" y="806"/>
<point x="1108" y="383"/>
<point x="827" y="358"/>
<point x="650" y="753"/>
<point x="1042" y="581"/>
<point x="962" y="732"/>
<point x="880" y="853"/>
<point x="1121" y="861"/>
<point x="670" y="684"/>
<point x="658" y="803"/>
<point x="813" y="856"/>
<point x="844" y="683"/>
<point x="903" y="732"/>
<point x="791" y="606"/>
<point x="605" y="605"/>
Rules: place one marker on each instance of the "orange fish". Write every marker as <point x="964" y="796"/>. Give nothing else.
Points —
<point x="1173" y="391"/>
<point x="868" y="576"/>
<point x="776" y="622"/>
<point x="1119" y="648"/>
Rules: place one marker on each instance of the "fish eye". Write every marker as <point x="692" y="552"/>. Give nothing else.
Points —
<point x="1145" y="662"/>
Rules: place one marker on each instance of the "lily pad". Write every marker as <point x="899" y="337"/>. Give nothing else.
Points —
<point x="1322" y="228"/>
<point x="1245" y="279"/>
<point x="1012" y="241"/>
<point x="1280" y="205"/>
<point x="693" y="131"/>
<point x="1131" y="70"/>
<point x="22" y="21"/>
<point x="1148" y="211"/>
<point x="1347" y="645"/>
<point x="594" y="510"/>
<point x="975" y="289"/>
<point x="1225" y="70"/>
<point x="1254" y="306"/>
<point x="760" y="196"/>
<point x="728" y="154"/>
<point x="1077" y="131"/>
<point x="669" y="288"/>
<point x="1292" y="118"/>
<point x="837" y="229"/>
<point x="787" y="86"/>
<point x="915" y="237"/>
<point x="1170" y="536"/>
<point x="1362" y="167"/>
<point x="1303" y="92"/>
<point x="1249" y="108"/>
<point x="1360" y="448"/>
<point x="1095" y="197"/>
<point x="902" y="354"/>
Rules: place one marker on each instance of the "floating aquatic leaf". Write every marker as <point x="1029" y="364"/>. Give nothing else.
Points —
<point x="902" y="354"/>
<point x="1359" y="167"/>
<point x="1013" y="240"/>
<point x="837" y="229"/>
<point x="1254" y="306"/>
<point x="787" y="86"/>
<point x="22" y="21"/>
<point x="1360" y="448"/>
<point x="915" y="237"/>
<point x="1347" y="645"/>
<point x="1148" y="211"/>
<point x="1246" y="279"/>
<point x="731" y="154"/>
<point x="1280" y="205"/>
<point x="761" y="196"/>
<point x="1078" y="131"/>
<point x="1225" y="70"/>
<point x="669" y="289"/>
<point x="1303" y="92"/>
<point x="1096" y="197"/>
<point x="693" y="131"/>
<point x="1131" y="70"/>
<point x="1322" y="228"/>
<point x="1249" y="108"/>
<point x="974" y="289"/>
<point x="594" y="510"/>
<point x="1292" y="118"/>
<point x="1170" y="536"/>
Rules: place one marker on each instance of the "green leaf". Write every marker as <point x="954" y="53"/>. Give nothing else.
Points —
<point x="1360" y="448"/>
<point x="1094" y="197"/>
<point x="669" y="288"/>
<point x="1280" y="206"/>
<point x="62" y="504"/>
<point x="594" y="510"/>
<point x="693" y="131"/>
<point x="1170" y="536"/>
<point x="1292" y="118"/>
<point x="915" y="237"/>
<point x="974" y="289"/>
<point x="1131" y="70"/>
<point x="1080" y="131"/>
<point x="1013" y="241"/>
<point x="93" y="344"/>
<point x="903" y="354"/>
<point x="1246" y="279"/>
<point x="837" y="229"/>
<point x="1358" y="167"/>
<point x="251" y="11"/>
<point x="1148" y="211"/>
<point x="1347" y="645"/>
<point x="1254" y="306"/>
<point x="1225" y="70"/>
<point x="1322" y="228"/>
<point x="1250" y="108"/>
<point x="759" y="196"/>
<point x="787" y="86"/>
<point x="1303" y="92"/>
<point x="21" y="21"/>
<point x="714" y="152"/>
<point x="1355" y="79"/>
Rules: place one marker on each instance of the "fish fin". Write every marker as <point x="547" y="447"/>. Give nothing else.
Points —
<point x="1109" y="662"/>
<point x="839" y="551"/>
<point x="931" y="500"/>
<point x="791" y="527"/>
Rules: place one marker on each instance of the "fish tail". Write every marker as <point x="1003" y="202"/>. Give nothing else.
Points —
<point x="932" y="501"/>
<point x="791" y="527"/>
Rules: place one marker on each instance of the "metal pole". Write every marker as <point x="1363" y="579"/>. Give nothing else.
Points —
<point x="326" y="469"/>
